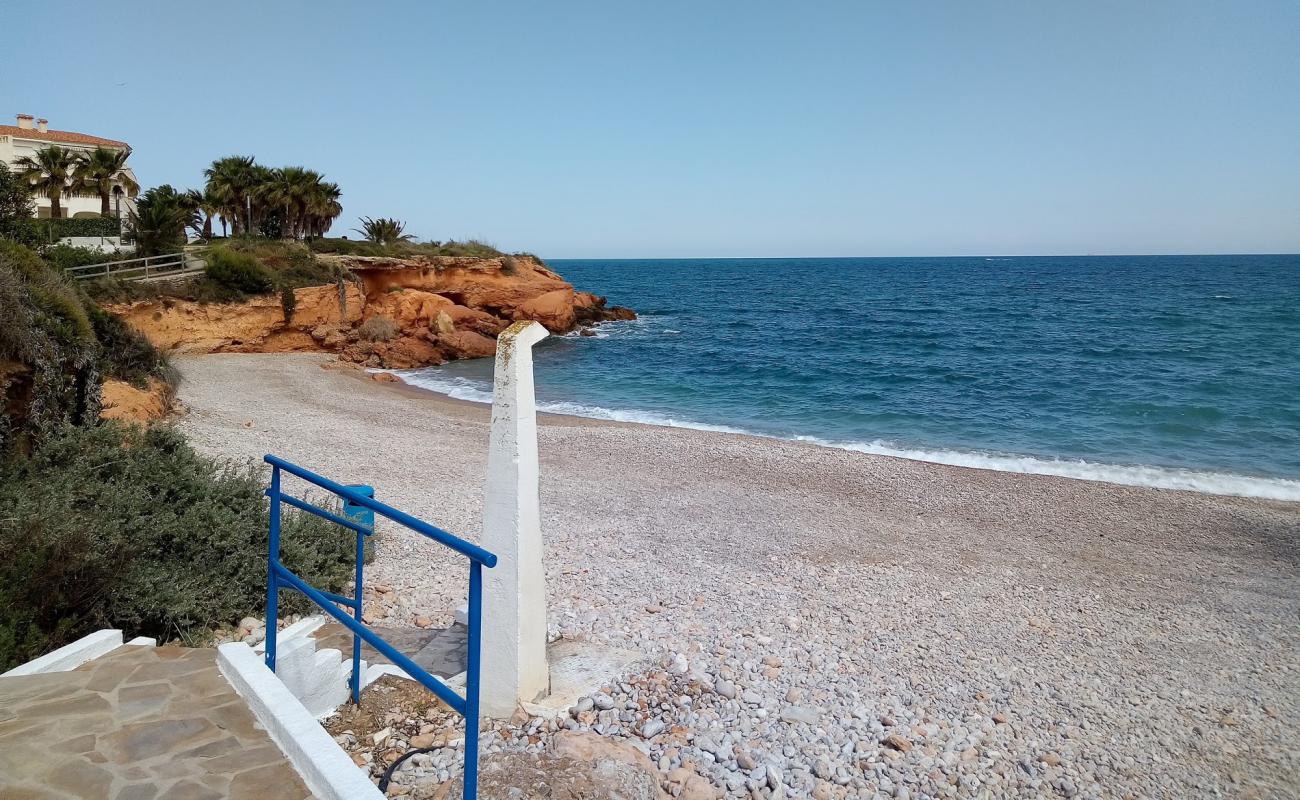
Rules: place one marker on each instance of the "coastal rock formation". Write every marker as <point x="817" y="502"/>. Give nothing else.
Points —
<point x="441" y="308"/>
<point x="253" y="326"/>
<point x="120" y="400"/>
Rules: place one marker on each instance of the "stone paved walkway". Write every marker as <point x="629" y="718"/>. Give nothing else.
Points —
<point x="441" y="651"/>
<point x="137" y="724"/>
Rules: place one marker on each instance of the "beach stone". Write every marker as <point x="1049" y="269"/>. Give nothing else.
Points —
<point x="725" y="689"/>
<point x="803" y="714"/>
<point x="896" y="742"/>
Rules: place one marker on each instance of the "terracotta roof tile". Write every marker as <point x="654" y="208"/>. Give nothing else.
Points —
<point x="64" y="137"/>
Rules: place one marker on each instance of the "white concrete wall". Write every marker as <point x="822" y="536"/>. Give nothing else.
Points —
<point x="104" y="244"/>
<point x="71" y="656"/>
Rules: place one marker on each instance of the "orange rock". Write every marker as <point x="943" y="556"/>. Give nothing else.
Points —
<point x="255" y="326"/>
<point x="409" y="308"/>
<point x="121" y="400"/>
<point x="408" y="352"/>
<point x="467" y="344"/>
<point x="553" y="309"/>
<point x="501" y="284"/>
<point x="472" y="319"/>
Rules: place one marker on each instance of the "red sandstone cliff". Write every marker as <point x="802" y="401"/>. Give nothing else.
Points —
<point x="441" y="308"/>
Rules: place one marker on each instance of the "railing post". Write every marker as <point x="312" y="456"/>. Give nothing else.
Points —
<point x="364" y="516"/>
<point x="472" y="678"/>
<point x="356" y="614"/>
<point x="273" y="558"/>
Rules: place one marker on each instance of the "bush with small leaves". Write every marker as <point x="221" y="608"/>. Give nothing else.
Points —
<point x="239" y="272"/>
<point x="117" y="526"/>
<point x="379" y="328"/>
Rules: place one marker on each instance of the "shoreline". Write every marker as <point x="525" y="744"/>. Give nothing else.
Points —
<point x="1017" y="630"/>
<point x="1179" y="479"/>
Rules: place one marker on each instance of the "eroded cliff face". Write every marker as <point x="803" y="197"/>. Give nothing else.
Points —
<point x="441" y="308"/>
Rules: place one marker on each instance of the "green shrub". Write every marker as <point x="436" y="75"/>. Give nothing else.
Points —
<point x="116" y="290"/>
<point x="353" y="247"/>
<point x="125" y="354"/>
<point x="63" y="256"/>
<point x="293" y="264"/>
<point x="288" y="303"/>
<point x="16" y="208"/>
<point x="347" y="247"/>
<point x="55" y="229"/>
<point x="240" y="272"/>
<point x="52" y="377"/>
<point x="125" y="527"/>
<point x="379" y="328"/>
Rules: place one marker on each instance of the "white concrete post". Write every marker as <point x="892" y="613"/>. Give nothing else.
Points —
<point x="514" y="592"/>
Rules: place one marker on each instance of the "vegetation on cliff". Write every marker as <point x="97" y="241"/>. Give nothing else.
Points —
<point x="112" y="525"/>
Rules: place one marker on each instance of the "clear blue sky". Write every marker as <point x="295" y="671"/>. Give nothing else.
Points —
<point x="649" y="129"/>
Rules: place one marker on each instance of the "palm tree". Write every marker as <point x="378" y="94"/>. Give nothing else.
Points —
<point x="383" y="230"/>
<point x="232" y="181"/>
<point x="303" y="200"/>
<point x="51" y="173"/>
<point x="161" y="216"/>
<point x="103" y="169"/>
<point x="207" y="206"/>
<point x="323" y="208"/>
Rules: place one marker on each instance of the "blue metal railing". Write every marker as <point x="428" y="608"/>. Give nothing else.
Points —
<point x="278" y="575"/>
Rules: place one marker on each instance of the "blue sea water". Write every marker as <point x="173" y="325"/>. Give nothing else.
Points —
<point x="1173" y="371"/>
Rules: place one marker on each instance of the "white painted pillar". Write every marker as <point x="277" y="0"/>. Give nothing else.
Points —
<point x="514" y="592"/>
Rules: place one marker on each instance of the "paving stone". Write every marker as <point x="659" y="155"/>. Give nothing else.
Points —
<point x="193" y="790"/>
<point x="144" y="740"/>
<point x="252" y="757"/>
<point x="108" y="676"/>
<point x="78" y="778"/>
<point x="142" y="700"/>
<point x="263" y="782"/>
<point x="218" y="747"/>
<point x="32" y="793"/>
<point x="80" y="744"/>
<point x="234" y="717"/>
<point x="79" y="705"/>
<point x="154" y="722"/>
<point x="137" y="791"/>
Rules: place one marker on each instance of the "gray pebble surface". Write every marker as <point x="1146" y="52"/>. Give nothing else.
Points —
<point x="832" y="624"/>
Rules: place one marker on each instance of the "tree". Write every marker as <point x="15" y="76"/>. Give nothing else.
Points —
<point x="206" y="205"/>
<point x="292" y="202"/>
<point x="383" y="230"/>
<point x="51" y="173"/>
<point x="304" y="201"/>
<point x="16" y="206"/>
<point x="232" y="182"/>
<point x="323" y="208"/>
<point x="161" y="216"/>
<point x="101" y="170"/>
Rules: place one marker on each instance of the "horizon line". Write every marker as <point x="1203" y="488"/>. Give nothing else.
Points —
<point x="975" y="255"/>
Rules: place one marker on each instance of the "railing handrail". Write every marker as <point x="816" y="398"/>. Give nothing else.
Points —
<point x="278" y="575"/>
<point x="470" y="551"/>
<point x="178" y="256"/>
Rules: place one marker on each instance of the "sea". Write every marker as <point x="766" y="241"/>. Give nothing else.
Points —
<point x="1180" y="372"/>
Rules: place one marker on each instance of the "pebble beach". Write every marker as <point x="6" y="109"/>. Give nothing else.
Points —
<point x="834" y="624"/>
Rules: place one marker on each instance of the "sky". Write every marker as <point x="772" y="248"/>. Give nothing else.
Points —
<point x="714" y="129"/>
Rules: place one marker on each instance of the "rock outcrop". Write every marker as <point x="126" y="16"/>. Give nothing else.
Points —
<point x="441" y="308"/>
<point x="253" y="326"/>
<point x="122" y="401"/>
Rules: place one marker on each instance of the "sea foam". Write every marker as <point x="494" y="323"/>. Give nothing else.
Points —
<point x="1219" y="483"/>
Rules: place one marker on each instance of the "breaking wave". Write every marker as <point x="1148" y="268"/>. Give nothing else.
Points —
<point x="1220" y="483"/>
